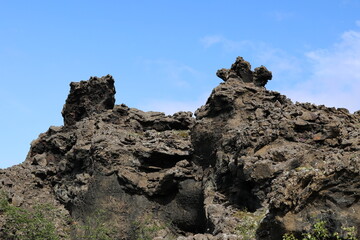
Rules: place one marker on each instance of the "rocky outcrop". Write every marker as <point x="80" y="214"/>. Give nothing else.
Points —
<point x="252" y="164"/>
<point x="241" y="71"/>
<point x="298" y="161"/>
<point x="88" y="97"/>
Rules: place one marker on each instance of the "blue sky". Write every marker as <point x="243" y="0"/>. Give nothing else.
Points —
<point x="164" y="54"/>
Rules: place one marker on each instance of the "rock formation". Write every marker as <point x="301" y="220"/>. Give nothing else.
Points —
<point x="251" y="160"/>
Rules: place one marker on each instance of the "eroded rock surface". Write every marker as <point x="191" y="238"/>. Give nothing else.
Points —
<point x="251" y="159"/>
<point x="88" y="97"/>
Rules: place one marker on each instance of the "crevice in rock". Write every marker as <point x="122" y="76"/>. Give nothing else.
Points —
<point x="241" y="195"/>
<point x="158" y="160"/>
<point x="248" y="150"/>
<point x="187" y="210"/>
<point x="239" y="191"/>
<point x="163" y="126"/>
<point x="245" y="198"/>
<point x="165" y="199"/>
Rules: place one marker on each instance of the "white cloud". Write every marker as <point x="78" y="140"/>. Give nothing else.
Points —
<point x="335" y="76"/>
<point x="225" y="43"/>
<point x="171" y="72"/>
<point x="281" y="16"/>
<point x="175" y="86"/>
<point x="331" y="76"/>
<point x="209" y="41"/>
<point x="283" y="65"/>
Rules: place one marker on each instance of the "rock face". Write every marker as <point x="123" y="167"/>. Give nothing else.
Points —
<point x="251" y="165"/>
<point x="88" y="97"/>
<point x="241" y="70"/>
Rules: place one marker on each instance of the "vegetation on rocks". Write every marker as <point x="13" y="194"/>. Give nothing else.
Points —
<point x="246" y="148"/>
<point x="248" y="223"/>
<point x="149" y="227"/>
<point x="320" y="231"/>
<point x="37" y="223"/>
<point x="95" y="227"/>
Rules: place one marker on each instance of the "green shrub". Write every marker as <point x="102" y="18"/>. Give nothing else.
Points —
<point x="182" y="133"/>
<point x="94" y="227"/>
<point x="320" y="232"/>
<point x="148" y="226"/>
<point x="289" y="236"/>
<point x="37" y="223"/>
<point x="33" y="224"/>
<point x="248" y="223"/>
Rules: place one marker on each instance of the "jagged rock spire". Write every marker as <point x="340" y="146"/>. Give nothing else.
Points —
<point x="88" y="97"/>
<point x="241" y="70"/>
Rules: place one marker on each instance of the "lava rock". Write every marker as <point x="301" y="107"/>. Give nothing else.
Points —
<point x="88" y="97"/>
<point x="250" y="157"/>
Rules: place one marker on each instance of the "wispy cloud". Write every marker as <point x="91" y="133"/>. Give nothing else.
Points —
<point x="209" y="41"/>
<point x="281" y="16"/>
<point x="335" y="76"/>
<point x="177" y="86"/>
<point x="283" y="65"/>
<point x="172" y="72"/>
<point x="225" y="43"/>
<point x="347" y="2"/>
<point x="323" y="76"/>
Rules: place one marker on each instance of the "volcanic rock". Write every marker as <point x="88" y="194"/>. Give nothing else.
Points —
<point x="88" y="97"/>
<point x="241" y="70"/>
<point x="251" y="160"/>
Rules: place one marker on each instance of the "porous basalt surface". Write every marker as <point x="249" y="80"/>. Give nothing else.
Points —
<point x="248" y="153"/>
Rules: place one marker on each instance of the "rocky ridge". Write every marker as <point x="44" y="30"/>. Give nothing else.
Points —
<point x="250" y="159"/>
